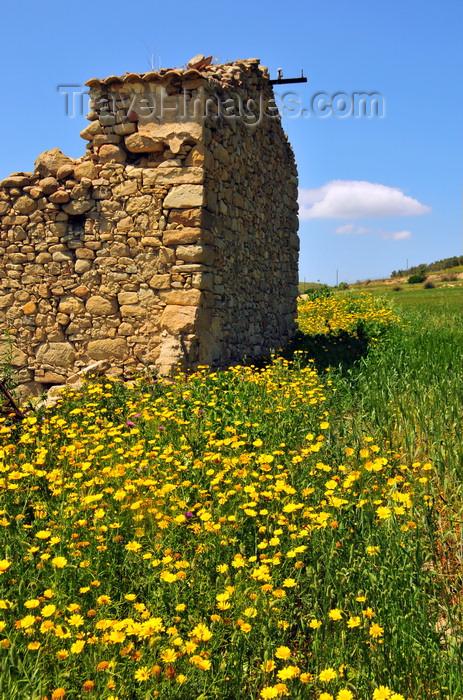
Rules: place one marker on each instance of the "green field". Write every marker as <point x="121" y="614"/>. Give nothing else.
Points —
<point x="293" y="530"/>
<point x="426" y="299"/>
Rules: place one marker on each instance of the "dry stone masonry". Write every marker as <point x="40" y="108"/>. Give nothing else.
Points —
<point x="173" y="239"/>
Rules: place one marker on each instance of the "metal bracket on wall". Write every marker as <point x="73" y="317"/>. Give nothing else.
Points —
<point x="282" y="81"/>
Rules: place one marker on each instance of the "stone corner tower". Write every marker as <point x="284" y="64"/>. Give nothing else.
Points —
<point x="173" y="239"/>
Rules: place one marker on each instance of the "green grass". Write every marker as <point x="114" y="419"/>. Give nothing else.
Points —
<point x="435" y="300"/>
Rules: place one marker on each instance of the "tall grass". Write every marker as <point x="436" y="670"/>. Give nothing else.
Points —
<point x="407" y="392"/>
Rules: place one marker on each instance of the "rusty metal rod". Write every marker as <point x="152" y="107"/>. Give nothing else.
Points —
<point x="9" y="407"/>
<point x="282" y="81"/>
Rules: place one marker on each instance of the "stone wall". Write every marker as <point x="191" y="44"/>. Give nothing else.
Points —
<point x="174" y="238"/>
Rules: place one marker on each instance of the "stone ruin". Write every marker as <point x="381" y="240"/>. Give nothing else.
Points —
<point x="173" y="239"/>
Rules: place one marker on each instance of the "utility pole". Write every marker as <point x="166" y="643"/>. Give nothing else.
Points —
<point x="336" y="278"/>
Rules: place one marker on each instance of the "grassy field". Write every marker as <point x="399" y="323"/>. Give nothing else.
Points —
<point x="427" y="299"/>
<point x="293" y="530"/>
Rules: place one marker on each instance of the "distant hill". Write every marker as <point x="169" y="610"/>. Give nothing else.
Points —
<point x="443" y="264"/>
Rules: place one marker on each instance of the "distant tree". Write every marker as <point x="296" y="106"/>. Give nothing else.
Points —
<point x="416" y="279"/>
<point x="422" y="268"/>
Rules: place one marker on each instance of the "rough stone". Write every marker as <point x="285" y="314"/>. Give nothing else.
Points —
<point x="84" y="254"/>
<point x="78" y="206"/>
<point x="65" y="171"/>
<point x="124" y="129"/>
<point x="85" y="169"/>
<point x="60" y="197"/>
<point x="30" y="308"/>
<point x="179" y="319"/>
<point x="160" y="282"/>
<point x="56" y="354"/>
<point x="52" y="378"/>
<point x="132" y="310"/>
<point x="152" y="138"/>
<point x="187" y="217"/>
<point x="82" y="266"/>
<point x="182" y="297"/>
<point x="81" y="291"/>
<point x="62" y="256"/>
<point x="127" y="298"/>
<point x="184" y="197"/>
<point x="109" y="153"/>
<point x="16" y="181"/>
<point x="49" y="162"/>
<point x="107" y="349"/>
<point x="6" y="300"/>
<point x="195" y="254"/>
<point x="25" y="205"/>
<point x="173" y="176"/>
<point x="12" y="354"/>
<point x="48" y="185"/>
<point x="71" y="305"/>
<point x="99" y="306"/>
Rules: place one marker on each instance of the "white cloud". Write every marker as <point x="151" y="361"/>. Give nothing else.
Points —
<point x="351" y="228"/>
<point x="356" y="199"/>
<point x="398" y="235"/>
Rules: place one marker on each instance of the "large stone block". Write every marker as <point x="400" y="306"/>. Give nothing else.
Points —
<point x="136" y="205"/>
<point x="188" y="217"/>
<point x="60" y="197"/>
<point x="25" y="205"/>
<point x="182" y="236"/>
<point x="100" y="306"/>
<point x="171" y="353"/>
<point x="179" y="319"/>
<point x="49" y="162"/>
<point x="184" y="197"/>
<point x="6" y="300"/>
<point x="182" y="297"/>
<point x="56" y="354"/>
<point x="85" y="169"/>
<point x="132" y="310"/>
<point x="143" y="143"/>
<point x="126" y="188"/>
<point x="152" y="138"/>
<point x="172" y="176"/>
<point x="91" y="130"/>
<point x="48" y="185"/>
<point x="111" y="153"/>
<point x="12" y="354"/>
<point x="107" y="349"/>
<point x="78" y="206"/>
<point x="160" y="282"/>
<point x="127" y="298"/>
<point x="16" y="181"/>
<point x="195" y="254"/>
<point x="71" y="305"/>
<point x="185" y="319"/>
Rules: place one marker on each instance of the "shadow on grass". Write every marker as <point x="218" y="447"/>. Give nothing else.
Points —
<point x="341" y="349"/>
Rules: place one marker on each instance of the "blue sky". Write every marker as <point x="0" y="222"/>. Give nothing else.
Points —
<point x="375" y="192"/>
